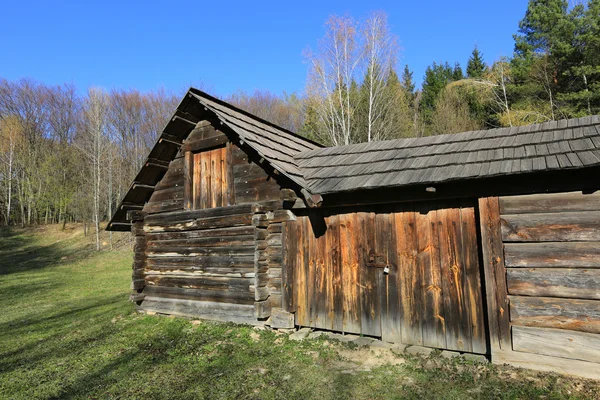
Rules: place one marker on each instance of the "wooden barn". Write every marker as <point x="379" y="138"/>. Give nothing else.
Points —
<point x="483" y="242"/>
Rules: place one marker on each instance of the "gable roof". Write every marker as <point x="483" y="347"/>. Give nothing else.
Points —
<point x="273" y="143"/>
<point x="555" y="145"/>
<point x="565" y="144"/>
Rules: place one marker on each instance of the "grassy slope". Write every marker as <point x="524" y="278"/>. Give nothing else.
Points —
<point x="68" y="331"/>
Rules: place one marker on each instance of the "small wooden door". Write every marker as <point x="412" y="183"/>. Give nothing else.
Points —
<point x="208" y="183"/>
<point x="408" y="275"/>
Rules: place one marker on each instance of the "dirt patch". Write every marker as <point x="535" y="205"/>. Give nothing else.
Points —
<point x="365" y="359"/>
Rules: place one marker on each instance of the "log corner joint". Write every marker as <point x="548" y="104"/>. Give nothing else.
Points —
<point x="312" y="200"/>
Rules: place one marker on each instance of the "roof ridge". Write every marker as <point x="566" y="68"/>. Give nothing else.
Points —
<point x="486" y="133"/>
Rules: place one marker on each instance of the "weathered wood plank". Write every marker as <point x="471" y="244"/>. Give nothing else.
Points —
<point x="243" y="240"/>
<point x="370" y="282"/>
<point x="334" y="274"/>
<point x="452" y="273"/>
<point x="548" y="312"/>
<point x="494" y="273"/>
<point x="349" y="261"/>
<point x="554" y="282"/>
<point x="219" y="296"/>
<point x="160" y="252"/>
<point x="229" y="284"/>
<point x="203" y="223"/>
<point x="182" y="216"/>
<point x="557" y="342"/>
<point x="550" y="202"/>
<point x="385" y="242"/>
<point x="239" y="313"/>
<point x="290" y="249"/>
<point x="551" y="227"/>
<point x="553" y="254"/>
<point x="472" y="290"/>
<point x="409" y="282"/>
<point x="428" y="259"/>
<point x="301" y="272"/>
<point x="188" y="181"/>
<point x="210" y="233"/>
<point x="321" y="296"/>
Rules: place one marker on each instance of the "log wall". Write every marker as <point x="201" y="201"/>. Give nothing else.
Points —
<point x="208" y="242"/>
<point x="546" y="280"/>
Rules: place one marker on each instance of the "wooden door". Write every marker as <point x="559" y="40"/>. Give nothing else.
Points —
<point x="409" y="275"/>
<point x="207" y="179"/>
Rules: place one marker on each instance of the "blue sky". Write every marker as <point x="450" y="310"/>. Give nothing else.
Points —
<point x="225" y="45"/>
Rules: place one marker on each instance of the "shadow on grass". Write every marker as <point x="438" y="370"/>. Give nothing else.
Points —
<point x="20" y="252"/>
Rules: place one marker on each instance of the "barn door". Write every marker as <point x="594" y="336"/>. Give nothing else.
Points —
<point x="409" y="275"/>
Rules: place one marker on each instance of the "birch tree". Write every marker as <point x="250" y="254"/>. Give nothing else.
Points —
<point x="332" y="73"/>
<point x="93" y="143"/>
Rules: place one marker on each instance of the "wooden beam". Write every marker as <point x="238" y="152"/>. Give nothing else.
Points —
<point x="177" y="117"/>
<point x="132" y="206"/>
<point x="154" y="162"/>
<point x="138" y="185"/>
<point x="205" y="144"/>
<point x="313" y="200"/>
<point x="170" y="139"/>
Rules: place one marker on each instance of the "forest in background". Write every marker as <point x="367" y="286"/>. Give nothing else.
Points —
<point x="66" y="157"/>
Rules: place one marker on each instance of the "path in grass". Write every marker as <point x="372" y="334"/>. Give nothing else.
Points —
<point x="67" y="330"/>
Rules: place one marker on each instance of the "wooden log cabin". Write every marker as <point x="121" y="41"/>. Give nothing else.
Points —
<point x="483" y="242"/>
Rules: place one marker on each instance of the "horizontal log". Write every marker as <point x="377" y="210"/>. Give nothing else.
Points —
<point x="260" y="234"/>
<point x="195" y="282"/>
<point x="551" y="227"/>
<point x="550" y="202"/>
<point x="280" y="216"/>
<point x="275" y="227"/>
<point x="171" y="193"/>
<point x="274" y="239"/>
<point x="136" y="297"/>
<point x="219" y="296"/>
<point x="260" y="220"/>
<point x="200" y="262"/>
<point x="264" y="206"/>
<point x="547" y="312"/>
<point x="243" y="240"/>
<point x="204" y="223"/>
<point x="553" y="254"/>
<point x="137" y="284"/>
<point x="187" y="215"/>
<point x="211" y="233"/>
<point x="554" y="282"/>
<point x="199" y="251"/>
<point x="238" y="313"/>
<point x="260" y="293"/>
<point x="205" y="144"/>
<point x="219" y="272"/>
<point x="164" y="206"/>
<point x="557" y="342"/>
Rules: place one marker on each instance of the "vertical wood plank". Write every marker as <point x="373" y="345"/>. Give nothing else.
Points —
<point x="473" y="297"/>
<point x="433" y="322"/>
<point x="369" y="278"/>
<point x="457" y="322"/>
<point x="311" y="274"/>
<point x="188" y="180"/>
<point x="290" y="249"/>
<point x="321" y="297"/>
<point x="229" y="178"/>
<point x="334" y="274"/>
<point x="215" y="178"/>
<point x="206" y="197"/>
<point x="385" y="243"/>
<point x="350" y="277"/>
<point x="408" y="279"/>
<point x="197" y="181"/>
<point x="495" y="274"/>
<point x="300" y="273"/>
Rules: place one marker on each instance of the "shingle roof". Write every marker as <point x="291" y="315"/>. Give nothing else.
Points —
<point x="564" y="144"/>
<point x="275" y="144"/>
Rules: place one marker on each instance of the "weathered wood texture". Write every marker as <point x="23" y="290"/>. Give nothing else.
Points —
<point x="251" y="182"/>
<point x="495" y="273"/>
<point x="211" y="185"/>
<point x="408" y="275"/>
<point x="169" y="192"/>
<point x="552" y="253"/>
<point x="557" y="342"/>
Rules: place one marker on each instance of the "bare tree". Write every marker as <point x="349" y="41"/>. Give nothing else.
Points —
<point x="380" y="56"/>
<point x="93" y="143"/>
<point x="332" y="76"/>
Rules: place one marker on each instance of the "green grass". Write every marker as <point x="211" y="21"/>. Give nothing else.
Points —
<point x="67" y="330"/>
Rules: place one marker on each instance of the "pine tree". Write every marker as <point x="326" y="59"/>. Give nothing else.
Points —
<point x="476" y="66"/>
<point x="407" y="80"/>
<point x="457" y="73"/>
<point x="437" y="76"/>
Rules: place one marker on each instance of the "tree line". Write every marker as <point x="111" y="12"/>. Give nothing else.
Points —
<point x="69" y="157"/>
